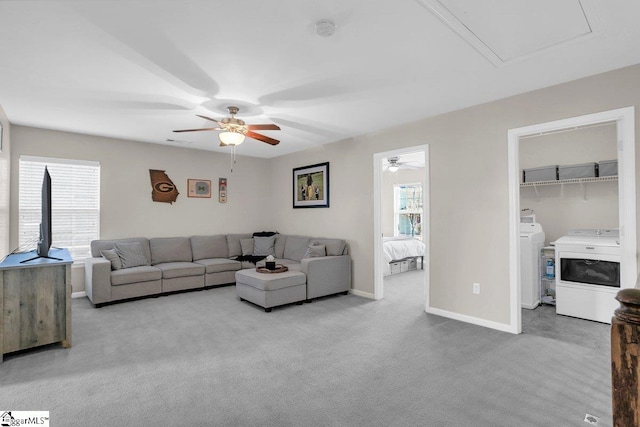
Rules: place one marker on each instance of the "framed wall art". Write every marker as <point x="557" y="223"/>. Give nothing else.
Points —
<point x="311" y="186"/>
<point x="199" y="188"/>
<point x="222" y="190"/>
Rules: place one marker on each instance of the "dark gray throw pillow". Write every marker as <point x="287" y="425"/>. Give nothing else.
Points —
<point x="131" y="254"/>
<point x="112" y="256"/>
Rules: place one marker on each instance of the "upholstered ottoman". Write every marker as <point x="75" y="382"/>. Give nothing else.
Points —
<point x="271" y="289"/>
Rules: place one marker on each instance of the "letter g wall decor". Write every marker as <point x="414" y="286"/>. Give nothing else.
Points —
<point x="163" y="189"/>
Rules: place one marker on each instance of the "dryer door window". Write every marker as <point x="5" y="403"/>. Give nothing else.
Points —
<point x="590" y="271"/>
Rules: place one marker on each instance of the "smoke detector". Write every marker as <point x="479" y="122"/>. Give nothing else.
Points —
<point x="325" y="28"/>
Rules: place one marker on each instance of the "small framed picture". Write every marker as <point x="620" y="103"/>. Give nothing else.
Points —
<point x="199" y="188"/>
<point x="222" y="190"/>
<point x="311" y="186"/>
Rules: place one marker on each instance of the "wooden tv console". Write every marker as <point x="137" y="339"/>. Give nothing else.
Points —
<point x="35" y="298"/>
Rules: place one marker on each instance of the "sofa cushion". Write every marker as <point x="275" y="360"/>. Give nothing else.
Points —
<point x="139" y="274"/>
<point x="233" y="243"/>
<point x="263" y="246"/>
<point x="204" y="247"/>
<point x="334" y="247"/>
<point x="112" y="256"/>
<point x="172" y="270"/>
<point x="131" y="254"/>
<point x="278" y="247"/>
<point x="314" y="251"/>
<point x="296" y="247"/>
<point x="247" y="246"/>
<point x="217" y="265"/>
<point x="170" y="249"/>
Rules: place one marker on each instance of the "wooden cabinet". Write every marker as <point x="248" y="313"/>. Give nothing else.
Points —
<point x="35" y="298"/>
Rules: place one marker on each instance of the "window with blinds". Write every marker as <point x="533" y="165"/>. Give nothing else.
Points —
<point x="408" y="210"/>
<point x="75" y="213"/>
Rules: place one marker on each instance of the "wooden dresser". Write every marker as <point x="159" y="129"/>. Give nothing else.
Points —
<point x="35" y="298"/>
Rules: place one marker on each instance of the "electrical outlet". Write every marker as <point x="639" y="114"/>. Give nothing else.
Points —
<point x="476" y="288"/>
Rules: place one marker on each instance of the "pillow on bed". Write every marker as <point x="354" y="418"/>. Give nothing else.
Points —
<point x="314" y="251"/>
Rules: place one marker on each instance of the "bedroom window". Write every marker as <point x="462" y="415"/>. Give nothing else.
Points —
<point x="75" y="187"/>
<point x="408" y="210"/>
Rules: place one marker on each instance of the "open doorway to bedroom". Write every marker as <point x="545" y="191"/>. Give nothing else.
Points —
<point x="401" y="222"/>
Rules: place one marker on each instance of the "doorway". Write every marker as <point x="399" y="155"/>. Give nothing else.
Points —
<point x="411" y="223"/>
<point x="625" y="132"/>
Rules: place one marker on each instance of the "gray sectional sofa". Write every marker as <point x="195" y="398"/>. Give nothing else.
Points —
<point x="131" y="268"/>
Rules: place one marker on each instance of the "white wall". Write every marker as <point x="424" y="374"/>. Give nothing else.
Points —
<point x="126" y="206"/>
<point x="561" y="207"/>
<point x="5" y="171"/>
<point x="469" y="203"/>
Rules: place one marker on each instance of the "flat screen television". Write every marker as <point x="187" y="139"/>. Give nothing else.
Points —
<point x="44" y="243"/>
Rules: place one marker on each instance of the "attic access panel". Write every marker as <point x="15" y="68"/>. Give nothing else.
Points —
<point x="505" y="30"/>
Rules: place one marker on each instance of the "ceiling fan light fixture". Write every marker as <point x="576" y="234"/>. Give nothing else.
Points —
<point x="393" y="168"/>
<point x="231" y="137"/>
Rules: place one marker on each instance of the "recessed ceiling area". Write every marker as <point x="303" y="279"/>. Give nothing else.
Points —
<point x="504" y="30"/>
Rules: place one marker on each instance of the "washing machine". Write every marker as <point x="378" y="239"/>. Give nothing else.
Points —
<point x="531" y="243"/>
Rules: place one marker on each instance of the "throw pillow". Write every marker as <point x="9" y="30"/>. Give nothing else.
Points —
<point x="131" y="254"/>
<point x="263" y="246"/>
<point x="112" y="256"/>
<point x="247" y="246"/>
<point x="315" y="251"/>
<point x="295" y="247"/>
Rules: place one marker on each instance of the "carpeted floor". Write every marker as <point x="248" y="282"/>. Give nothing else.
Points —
<point x="207" y="359"/>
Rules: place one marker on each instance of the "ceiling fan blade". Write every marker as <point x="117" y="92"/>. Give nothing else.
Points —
<point x="207" y="118"/>
<point x="195" y="130"/>
<point x="262" y="138"/>
<point x="263" y="127"/>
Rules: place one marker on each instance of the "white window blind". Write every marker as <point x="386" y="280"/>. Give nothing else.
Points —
<point x="75" y="196"/>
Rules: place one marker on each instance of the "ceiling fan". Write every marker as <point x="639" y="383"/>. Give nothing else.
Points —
<point x="234" y="130"/>
<point x="392" y="164"/>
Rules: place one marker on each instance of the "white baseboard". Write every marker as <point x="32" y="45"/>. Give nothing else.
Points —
<point x="81" y="294"/>
<point x="361" y="293"/>
<point x="470" y="319"/>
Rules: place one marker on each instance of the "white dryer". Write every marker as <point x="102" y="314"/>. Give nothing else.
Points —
<point x="531" y="243"/>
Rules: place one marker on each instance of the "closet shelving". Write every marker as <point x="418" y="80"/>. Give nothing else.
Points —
<point x="580" y="181"/>
<point x="570" y="181"/>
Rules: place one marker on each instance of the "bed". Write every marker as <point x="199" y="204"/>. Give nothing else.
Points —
<point x="401" y="248"/>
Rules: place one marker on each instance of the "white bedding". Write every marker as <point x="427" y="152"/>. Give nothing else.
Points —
<point x="396" y="248"/>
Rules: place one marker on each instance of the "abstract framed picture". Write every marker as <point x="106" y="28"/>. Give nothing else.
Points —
<point x="199" y="188"/>
<point x="311" y="186"/>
